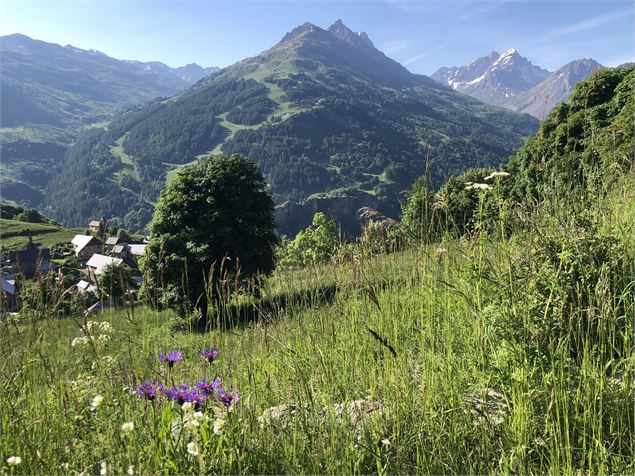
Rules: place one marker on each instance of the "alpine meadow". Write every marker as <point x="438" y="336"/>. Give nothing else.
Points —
<point x="315" y="260"/>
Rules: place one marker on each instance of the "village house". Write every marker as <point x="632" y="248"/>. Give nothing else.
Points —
<point x="113" y="241"/>
<point x="84" y="286"/>
<point x="97" y="263"/>
<point x="8" y="298"/>
<point x="120" y="251"/>
<point x="98" y="226"/>
<point x="86" y="246"/>
<point x="31" y="261"/>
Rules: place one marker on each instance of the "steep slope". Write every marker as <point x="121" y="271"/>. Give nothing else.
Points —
<point x="50" y="92"/>
<point x="322" y="111"/>
<point x="541" y="99"/>
<point x="508" y="75"/>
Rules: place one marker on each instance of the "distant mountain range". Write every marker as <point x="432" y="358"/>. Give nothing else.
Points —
<point x="325" y="114"/>
<point x="512" y="81"/>
<point x="49" y="93"/>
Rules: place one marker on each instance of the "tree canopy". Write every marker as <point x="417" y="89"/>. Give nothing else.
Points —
<point x="213" y="220"/>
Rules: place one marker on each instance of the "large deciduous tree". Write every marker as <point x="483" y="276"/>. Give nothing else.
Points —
<point x="213" y="220"/>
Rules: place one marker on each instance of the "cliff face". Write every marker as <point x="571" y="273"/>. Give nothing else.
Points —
<point x="292" y="217"/>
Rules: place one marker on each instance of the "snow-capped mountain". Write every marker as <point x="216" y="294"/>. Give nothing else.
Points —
<point x="541" y="99"/>
<point x="494" y="78"/>
<point x="512" y="81"/>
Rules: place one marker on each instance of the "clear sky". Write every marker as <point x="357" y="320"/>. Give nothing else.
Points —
<point x="421" y="34"/>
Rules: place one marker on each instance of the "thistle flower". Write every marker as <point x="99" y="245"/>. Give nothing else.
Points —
<point x="171" y="357"/>
<point x="227" y="398"/>
<point x="96" y="402"/>
<point x="192" y="448"/>
<point x="14" y="460"/>
<point x="210" y="354"/>
<point x="149" y="389"/>
<point x="178" y="394"/>
<point x="127" y="427"/>
<point x="208" y="387"/>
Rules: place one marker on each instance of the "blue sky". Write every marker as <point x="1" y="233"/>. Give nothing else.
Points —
<point x="423" y="35"/>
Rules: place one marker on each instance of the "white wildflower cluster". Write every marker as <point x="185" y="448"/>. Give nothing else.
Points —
<point x="192" y="419"/>
<point x="127" y="428"/>
<point x="496" y="174"/>
<point x="192" y="448"/>
<point x="96" y="331"/>
<point x="96" y="402"/>
<point x="104" y="469"/>
<point x="476" y="186"/>
<point x="14" y="460"/>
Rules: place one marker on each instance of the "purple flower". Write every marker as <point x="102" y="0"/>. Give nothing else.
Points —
<point x="210" y="354"/>
<point x="149" y="389"/>
<point x="197" y="398"/>
<point x="227" y="398"/>
<point x="171" y="357"/>
<point x="178" y="394"/>
<point x="206" y="387"/>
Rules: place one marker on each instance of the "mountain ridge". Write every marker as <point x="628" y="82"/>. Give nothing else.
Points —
<point x="323" y="113"/>
<point x="512" y="81"/>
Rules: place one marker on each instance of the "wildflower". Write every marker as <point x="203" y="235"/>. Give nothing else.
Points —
<point x="477" y="186"/>
<point x="210" y="354"/>
<point x="14" y="460"/>
<point x="178" y="394"/>
<point x="227" y="398"/>
<point x="191" y="424"/>
<point x="96" y="402"/>
<point x="198" y="416"/>
<point x="79" y="340"/>
<point x="208" y="387"/>
<point x="385" y="442"/>
<point x="103" y="338"/>
<point x="65" y="466"/>
<point x="104" y="469"/>
<point x="130" y="470"/>
<point x="192" y="448"/>
<point x="104" y="326"/>
<point x="219" y="423"/>
<point x="197" y="398"/>
<point x="149" y="389"/>
<point x="496" y="174"/>
<point x="171" y="357"/>
<point x="127" y="427"/>
<point x="89" y="325"/>
<point x="187" y="407"/>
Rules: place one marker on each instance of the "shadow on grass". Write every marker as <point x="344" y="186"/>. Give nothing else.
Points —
<point x="268" y="309"/>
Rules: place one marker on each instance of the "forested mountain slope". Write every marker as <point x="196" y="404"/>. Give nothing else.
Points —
<point x="321" y="111"/>
<point x="49" y="93"/>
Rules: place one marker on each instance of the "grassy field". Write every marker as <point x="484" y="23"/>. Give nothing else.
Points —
<point x="454" y="357"/>
<point x="14" y="234"/>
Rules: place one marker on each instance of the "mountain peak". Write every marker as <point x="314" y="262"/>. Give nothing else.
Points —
<point x="341" y="31"/>
<point x="304" y="29"/>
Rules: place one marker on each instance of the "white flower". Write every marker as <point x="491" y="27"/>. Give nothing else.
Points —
<point x="192" y="448"/>
<point x="105" y="326"/>
<point x="219" y="423"/>
<point x="79" y="340"/>
<point x="96" y="402"/>
<point x="191" y="424"/>
<point x="385" y="442"/>
<point x="198" y="416"/>
<point x="127" y="427"/>
<point x="130" y="470"/>
<point x="65" y="466"/>
<point x="14" y="460"/>
<point x="496" y="174"/>
<point x="187" y="407"/>
<point x="104" y="468"/>
<point x="103" y="338"/>
<point x="89" y="325"/>
<point x="477" y="186"/>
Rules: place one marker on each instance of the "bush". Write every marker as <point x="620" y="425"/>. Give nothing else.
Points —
<point x="316" y="244"/>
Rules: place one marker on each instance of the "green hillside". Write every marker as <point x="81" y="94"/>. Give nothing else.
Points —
<point x="50" y="93"/>
<point x="321" y="111"/>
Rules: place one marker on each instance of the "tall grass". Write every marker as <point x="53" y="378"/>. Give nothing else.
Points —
<point x="499" y="363"/>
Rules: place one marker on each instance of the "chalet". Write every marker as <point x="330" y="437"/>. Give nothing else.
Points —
<point x="31" y="261"/>
<point x="120" y="251"/>
<point x="98" y="226"/>
<point x="97" y="263"/>
<point x="8" y="298"/>
<point x="86" y="246"/>
<point x="113" y="241"/>
<point x="84" y="286"/>
<point x="137" y="249"/>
